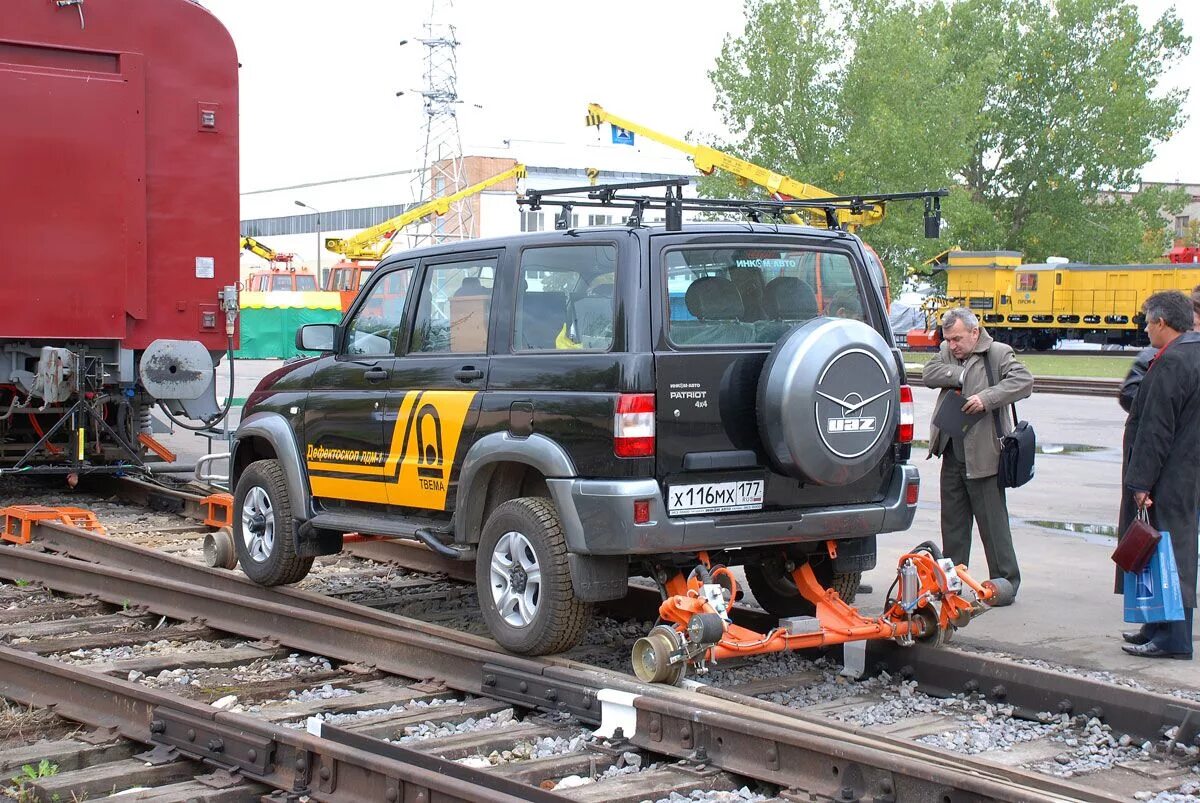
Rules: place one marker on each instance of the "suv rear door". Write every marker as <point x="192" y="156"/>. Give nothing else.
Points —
<point x="723" y="304"/>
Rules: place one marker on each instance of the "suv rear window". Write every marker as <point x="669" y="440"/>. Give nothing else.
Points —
<point x="565" y="298"/>
<point x="753" y="295"/>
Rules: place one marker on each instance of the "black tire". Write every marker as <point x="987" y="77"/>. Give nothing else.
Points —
<point x="268" y="558"/>
<point x="557" y="619"/>
<point x="777" y="593"/>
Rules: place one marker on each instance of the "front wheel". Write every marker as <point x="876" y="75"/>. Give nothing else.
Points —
<point x="524" y="581"/>
<point x="264" y="529"/>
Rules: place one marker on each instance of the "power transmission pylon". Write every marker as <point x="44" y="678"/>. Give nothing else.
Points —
<point x="442" y="158"/>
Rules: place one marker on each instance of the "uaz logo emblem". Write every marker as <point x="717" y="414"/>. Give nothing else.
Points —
<point x="850" y="424"/>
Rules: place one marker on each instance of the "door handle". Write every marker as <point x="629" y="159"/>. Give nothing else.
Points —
<point x="375" y="374"/>
<point x="468" y="373"/>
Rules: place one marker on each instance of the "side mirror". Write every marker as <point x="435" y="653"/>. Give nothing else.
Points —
<point x="316" y="337"/>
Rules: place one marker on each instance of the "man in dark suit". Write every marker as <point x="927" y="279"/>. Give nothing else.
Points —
<point x="1160" y="473"/>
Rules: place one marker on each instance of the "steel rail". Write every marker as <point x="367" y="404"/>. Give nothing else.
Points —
<point x="1063" y="385"/>
<point x="710" y="727"/>
<point x="284" y="758"/>
<point x="938" y="672"/>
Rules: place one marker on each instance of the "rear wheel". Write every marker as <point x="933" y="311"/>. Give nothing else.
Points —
<point x="264" y="529"/>
<point x="524" y="581"/>
<point x="776" y="592"/>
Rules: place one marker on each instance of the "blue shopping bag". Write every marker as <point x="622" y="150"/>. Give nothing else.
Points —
<point x="1154" y="594"/>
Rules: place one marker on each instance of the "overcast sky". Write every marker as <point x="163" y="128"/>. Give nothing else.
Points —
<point x="318" y="81"/>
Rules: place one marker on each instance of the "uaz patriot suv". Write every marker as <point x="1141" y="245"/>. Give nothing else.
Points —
<point x="567" y="408"/>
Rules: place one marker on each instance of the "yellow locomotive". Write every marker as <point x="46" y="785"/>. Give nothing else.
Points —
<point x="1034" y="305"/>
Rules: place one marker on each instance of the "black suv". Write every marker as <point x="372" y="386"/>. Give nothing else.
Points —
<point x="569" y="408"/>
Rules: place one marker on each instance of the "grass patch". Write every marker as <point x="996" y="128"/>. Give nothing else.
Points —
<point x="1081" y="365"/>
<point x="30" y="774"/>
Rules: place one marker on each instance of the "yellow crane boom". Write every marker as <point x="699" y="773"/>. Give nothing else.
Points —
<point x="374" y="242"/>
<point x="709" y="159"/>
<point x="266" y="252"/>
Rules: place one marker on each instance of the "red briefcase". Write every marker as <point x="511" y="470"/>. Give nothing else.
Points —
<point x="1137" y="544"/>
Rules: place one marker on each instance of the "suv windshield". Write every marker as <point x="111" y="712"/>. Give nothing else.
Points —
<point x="750" y="295"/>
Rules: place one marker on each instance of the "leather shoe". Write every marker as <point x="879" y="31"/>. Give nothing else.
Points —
<point x="1135" y="637"/>
<point x="1152" y="650"/>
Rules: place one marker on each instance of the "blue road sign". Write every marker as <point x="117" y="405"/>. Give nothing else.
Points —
<point x="621" y="136"/>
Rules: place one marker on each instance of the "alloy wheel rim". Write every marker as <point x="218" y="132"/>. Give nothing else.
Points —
<point x="258" y="524"/>
<point x="516" y="579"/>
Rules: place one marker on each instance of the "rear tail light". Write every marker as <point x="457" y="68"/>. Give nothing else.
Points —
<point x="904" y="433"/>
<point x="641" y="511"/>
<point x="633" y="425"/>
<point x="912" y="493"/>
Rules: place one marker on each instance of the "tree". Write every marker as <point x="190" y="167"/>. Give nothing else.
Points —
<point x="1032" y="111"/>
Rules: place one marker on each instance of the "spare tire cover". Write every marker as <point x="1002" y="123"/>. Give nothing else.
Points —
<point x="828" y="401"/>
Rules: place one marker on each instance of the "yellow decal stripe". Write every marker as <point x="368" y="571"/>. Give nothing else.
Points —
<point x="420" y="456"/>
<point x="350" y="490"/>
<point x="425" y="441"/>
<point x="346" y="468"/>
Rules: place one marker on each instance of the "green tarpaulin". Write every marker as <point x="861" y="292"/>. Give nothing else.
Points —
<point x="269" y="331"/>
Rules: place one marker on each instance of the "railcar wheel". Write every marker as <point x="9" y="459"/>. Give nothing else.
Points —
<point x="524" y="581"/>
<point x="652" y="656"/>
<point x="264" y="529"/>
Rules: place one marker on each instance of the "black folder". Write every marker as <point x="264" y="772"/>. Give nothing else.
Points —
<point x="950" y="417"/>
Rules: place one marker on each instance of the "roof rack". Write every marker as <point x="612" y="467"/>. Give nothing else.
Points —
<point x="618" y="196"/>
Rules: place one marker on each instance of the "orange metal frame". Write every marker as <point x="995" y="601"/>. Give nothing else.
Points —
<point x="218" y="510"/>
<point x="839" y="622"/>
<point x="19" y="520"/>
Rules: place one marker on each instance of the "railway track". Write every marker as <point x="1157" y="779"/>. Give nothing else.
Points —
<point x="830" y="739"/>
<point x="1064" y="385"/>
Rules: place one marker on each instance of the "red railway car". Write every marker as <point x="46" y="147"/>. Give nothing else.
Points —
<point x="118" y="224"/>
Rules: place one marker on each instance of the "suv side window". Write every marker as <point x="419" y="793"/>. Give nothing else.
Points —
<point x="725" y="296"/>
<point x="565" y="298"/>
<point x="375" y="329"/>
<point x="452" y="312"/>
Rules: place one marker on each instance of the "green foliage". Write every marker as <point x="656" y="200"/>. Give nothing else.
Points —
<point x="1191" y="237"/>
<point x="1034" y="112"/>
<point x="29" y="774"/>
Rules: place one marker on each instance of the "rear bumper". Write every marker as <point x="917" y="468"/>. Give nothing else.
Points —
<point x="598" y="518"/>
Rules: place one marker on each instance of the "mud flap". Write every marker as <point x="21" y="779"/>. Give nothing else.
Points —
<point x="314" y="542"/>
<point x="597" y="578"/>
<point x="855" y="555"/>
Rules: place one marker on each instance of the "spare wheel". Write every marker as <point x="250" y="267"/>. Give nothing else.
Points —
<point x="828" y="401"/>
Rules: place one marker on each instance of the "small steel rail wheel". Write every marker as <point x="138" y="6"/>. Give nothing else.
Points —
<point x="934" y="635"/>
<point x="219" y="551"/>
<point x="264" y="529"/>
<point x="523" y="579"/>
<point x="652" y="656"/>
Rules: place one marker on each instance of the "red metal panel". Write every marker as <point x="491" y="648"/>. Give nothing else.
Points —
<point x="70" y="213"/>
<point x="118" y="171"/>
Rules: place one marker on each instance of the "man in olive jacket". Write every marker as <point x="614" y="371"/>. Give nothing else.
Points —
<point x="970" y="462"/>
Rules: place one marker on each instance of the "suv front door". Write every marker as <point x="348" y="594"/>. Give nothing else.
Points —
<point x="346" y="451"/>
<point x="433" y="402"/>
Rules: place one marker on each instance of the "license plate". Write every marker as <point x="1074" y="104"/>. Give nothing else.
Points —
<point x="715" y="497"/>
